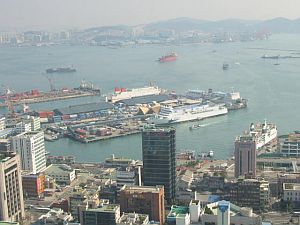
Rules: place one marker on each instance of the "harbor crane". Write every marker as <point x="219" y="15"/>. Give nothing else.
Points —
<point x="51" y="82"/>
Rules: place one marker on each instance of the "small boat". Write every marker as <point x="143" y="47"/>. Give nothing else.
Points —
<point x="196" y="126"/>
<point x="225" y="66"/>
<point x="205" y="155"/>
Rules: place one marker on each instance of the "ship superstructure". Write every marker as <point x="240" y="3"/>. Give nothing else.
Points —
<point x="261" y="133"/>
<point x="126" y="93"/>
<point x="169" y="114"/>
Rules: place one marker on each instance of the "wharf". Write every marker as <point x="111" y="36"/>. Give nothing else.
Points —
<point x="50" y="97"/>
<point x="101" y="138"/>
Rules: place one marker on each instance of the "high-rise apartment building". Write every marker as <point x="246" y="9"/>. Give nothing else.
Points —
<point x="11" y="198"/>
<point x="159" y="160"/>
<point x="31" y="148"/>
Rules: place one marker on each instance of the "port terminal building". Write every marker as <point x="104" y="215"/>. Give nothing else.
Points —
<point x="85" y="110"/>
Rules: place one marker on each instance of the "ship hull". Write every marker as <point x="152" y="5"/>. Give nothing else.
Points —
<point x="167" y="59"/>
<point x="187" y="116"/>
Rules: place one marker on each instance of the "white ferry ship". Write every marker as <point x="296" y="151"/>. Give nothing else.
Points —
<point x="169" y="115"/>
<point x="263" y="133"/>
<point x="123" y="93"/>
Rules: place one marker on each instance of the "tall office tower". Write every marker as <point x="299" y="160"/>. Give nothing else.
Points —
<point x="11" y="198"/>
<point x="159" y="162"/>
<point x="31" y="148"/>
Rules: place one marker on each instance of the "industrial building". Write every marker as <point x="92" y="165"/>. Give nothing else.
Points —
<point x="81" y="110"/>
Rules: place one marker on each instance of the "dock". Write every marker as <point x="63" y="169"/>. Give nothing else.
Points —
<point x="50" y="96"/>
<point x="102" y="138"/>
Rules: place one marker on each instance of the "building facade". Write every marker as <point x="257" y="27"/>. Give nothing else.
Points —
<point x="245" y="156"/>
<point x="106" y="215"/>
<point x="62" y="173"/>
<point x="11" y="198"/>
<point x="31" y="148"/>
<point x="2" y="123"/>
<point x="250" y="193"/>
<point x="159" y="160"/>
<point x="290" y="146"/>
<point x="291" y="192"/>
<point x="144" y="200"/>
<point x="33" y="185"/>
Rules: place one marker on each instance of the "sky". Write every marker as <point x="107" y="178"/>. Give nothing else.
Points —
<point x="57" y="14"/>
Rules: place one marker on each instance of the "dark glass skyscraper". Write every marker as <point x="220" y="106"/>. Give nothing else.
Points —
<point x="159" y="159"/>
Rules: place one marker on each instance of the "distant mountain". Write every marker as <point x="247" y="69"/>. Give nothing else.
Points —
<point x="275" y="25"/>
<point x="280" y="25"/>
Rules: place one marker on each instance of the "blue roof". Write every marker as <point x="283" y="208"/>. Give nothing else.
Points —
<point x="213" y="198"/>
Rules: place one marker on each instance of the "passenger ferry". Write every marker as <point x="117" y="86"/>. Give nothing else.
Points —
<point x="170" y="115"/>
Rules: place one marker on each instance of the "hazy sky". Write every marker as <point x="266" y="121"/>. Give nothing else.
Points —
<point x="51" y="14"/>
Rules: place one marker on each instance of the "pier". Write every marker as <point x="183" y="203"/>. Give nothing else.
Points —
<point x="50" y="96"/>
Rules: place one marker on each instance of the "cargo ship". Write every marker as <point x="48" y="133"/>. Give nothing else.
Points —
<point x="168" y="58"/>
<point x="170" y="115"/>
<point x="61" y="70"/>
<point x="127" y="93"/>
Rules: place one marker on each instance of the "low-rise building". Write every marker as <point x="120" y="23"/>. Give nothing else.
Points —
<point x="251" y="193"/>
<point x="226" y="213"/>
<point x="106" y="215"/>
<point x="144" y="200"/>
<point x="55" y="216"/>
<point x="291" y="192"/>
<point x="118" y="162"/>
<point x="179" y="215"/>
<point x="33" y="185"/>
<point x="133" y="219"/>
<point x="62" y="173"/>
<point x="83" y="199"/>
<point x="290" y="146"/>
<point x="287" y="178"/>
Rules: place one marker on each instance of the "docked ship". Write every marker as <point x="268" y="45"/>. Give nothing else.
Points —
<point x="126" y="93"/>
<point x="170" y="115"/>
<point x="168" y="58"/>
<point x="261" y="133"/>
<point x="61" y="70"/>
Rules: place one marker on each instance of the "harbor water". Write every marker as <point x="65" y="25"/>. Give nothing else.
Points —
<point x="273" y="91"/>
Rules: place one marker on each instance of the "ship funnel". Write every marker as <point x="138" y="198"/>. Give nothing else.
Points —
<point x="252" y="127"/>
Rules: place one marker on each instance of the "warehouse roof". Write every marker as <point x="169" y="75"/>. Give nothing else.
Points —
<point x="145" y="99"/>
<point x="84" y="108"/>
